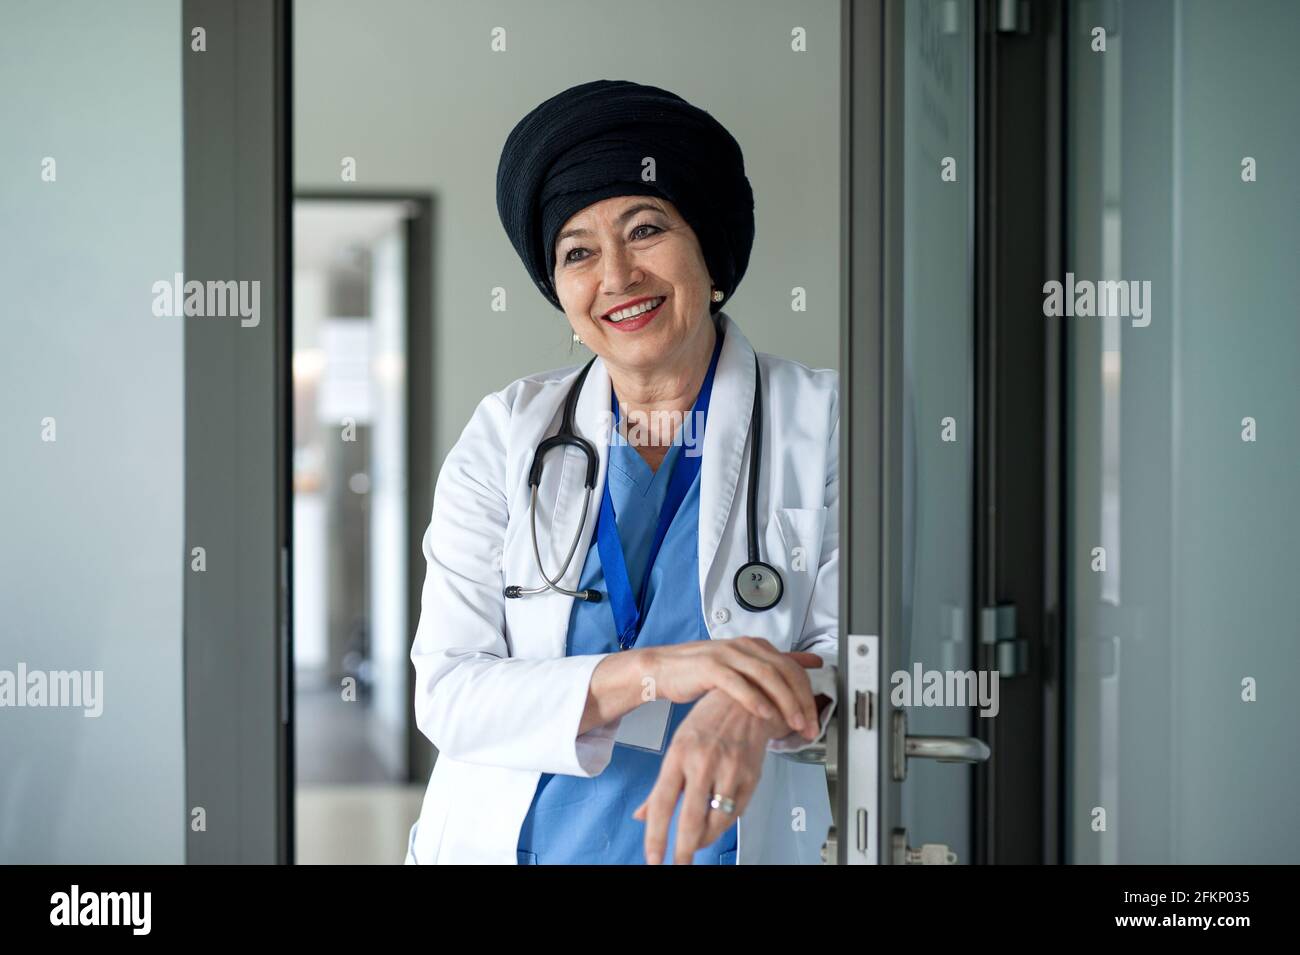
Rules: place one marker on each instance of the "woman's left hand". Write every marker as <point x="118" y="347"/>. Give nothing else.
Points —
<point x="718" y="748"/>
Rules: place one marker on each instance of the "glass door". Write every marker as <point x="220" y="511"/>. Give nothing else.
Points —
<point x="911" y="692"/>
<point x="933" y="688"/>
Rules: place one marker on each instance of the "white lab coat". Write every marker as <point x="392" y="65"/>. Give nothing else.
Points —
<point x="494" y="690"/>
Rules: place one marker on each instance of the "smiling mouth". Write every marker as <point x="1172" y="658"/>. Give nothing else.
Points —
<point x="635" y="311"/>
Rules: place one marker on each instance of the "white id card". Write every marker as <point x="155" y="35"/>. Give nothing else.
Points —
<point x="646" y="727"/>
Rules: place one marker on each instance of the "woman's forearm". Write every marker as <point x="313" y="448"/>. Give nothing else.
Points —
<point x="615" y="688"/>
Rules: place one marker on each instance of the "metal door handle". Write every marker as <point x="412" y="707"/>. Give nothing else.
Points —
<point x="823" y="752"/>
<point x="949" y="749"/>
<point x="945" y="749"/>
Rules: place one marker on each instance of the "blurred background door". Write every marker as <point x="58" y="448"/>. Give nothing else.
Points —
<point x="361" y="415"/>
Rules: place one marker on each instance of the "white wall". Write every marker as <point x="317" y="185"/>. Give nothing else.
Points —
<point x="91" y="549"/>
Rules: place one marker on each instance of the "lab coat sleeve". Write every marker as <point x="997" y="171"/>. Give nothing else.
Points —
<point x="821" y="627"/>
<point x="473" y="701"/>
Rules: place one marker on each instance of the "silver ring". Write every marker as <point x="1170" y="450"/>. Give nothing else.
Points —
<point x="724" y="803"/>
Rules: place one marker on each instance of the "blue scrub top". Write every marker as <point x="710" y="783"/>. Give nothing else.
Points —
<point x="581" y="820"/>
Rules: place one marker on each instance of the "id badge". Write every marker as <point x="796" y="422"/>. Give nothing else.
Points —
<point x="646" y="727"/>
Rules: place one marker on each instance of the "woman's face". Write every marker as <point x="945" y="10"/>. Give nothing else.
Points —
<point x="622" y="253"/>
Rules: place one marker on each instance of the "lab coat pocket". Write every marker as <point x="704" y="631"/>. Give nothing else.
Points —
<point x="801" y="530"/>
<point x="797" y="555"/>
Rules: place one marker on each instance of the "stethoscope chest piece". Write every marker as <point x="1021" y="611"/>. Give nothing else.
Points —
<point x="758" y="586"/>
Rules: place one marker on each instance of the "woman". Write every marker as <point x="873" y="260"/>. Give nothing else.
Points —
<point x="647" y="723"/>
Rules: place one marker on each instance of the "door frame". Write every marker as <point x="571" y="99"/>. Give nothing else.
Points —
<point x="870" y="428"/>
<point x="237" y="125"/>
<point x="1019" y="386"/>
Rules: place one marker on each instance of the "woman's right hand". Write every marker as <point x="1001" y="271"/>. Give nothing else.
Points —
<point x="759" y="677"/>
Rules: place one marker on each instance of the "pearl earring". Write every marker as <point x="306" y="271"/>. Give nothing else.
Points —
<point x="576" y="339"/>
<point x="717" y="295"/>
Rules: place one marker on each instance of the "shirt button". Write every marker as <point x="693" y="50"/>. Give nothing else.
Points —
<point x="721" y="615"/>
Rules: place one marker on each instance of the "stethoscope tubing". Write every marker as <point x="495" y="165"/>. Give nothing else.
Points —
<point x="553" y="583"/>
<point x="567" y="436"/>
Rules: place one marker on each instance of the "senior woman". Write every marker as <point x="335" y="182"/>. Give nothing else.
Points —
<point x="639" y="703"/>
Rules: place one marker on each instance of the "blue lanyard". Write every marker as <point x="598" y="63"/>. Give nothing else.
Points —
<point x="628" y="615"/>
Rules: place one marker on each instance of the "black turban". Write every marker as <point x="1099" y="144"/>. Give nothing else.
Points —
<point x="588" y="142"/>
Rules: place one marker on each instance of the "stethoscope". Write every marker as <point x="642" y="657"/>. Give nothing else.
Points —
<point x="758" y="585"/>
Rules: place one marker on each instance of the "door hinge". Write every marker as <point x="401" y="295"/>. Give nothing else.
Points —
<point x="1008" y="653"/>
<point x="1013" y="16"/>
